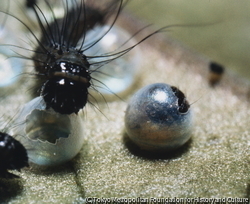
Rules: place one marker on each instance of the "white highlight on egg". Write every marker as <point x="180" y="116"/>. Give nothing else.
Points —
<point x="160" y="96"/>
<point x="49" y="137"/>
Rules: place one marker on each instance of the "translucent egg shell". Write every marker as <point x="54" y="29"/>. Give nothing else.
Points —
<point x="49" y="137"/>
<point x="159" y="118"/>
<point x="117" y="76"/>
<point x="10" y="68"/>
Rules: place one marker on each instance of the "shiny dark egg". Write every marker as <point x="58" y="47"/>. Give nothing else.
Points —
<point x="159" y="118"/>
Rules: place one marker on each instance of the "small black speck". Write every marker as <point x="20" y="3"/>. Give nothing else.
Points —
<point x="216" y="73"/>
<point x="216" y="68"/>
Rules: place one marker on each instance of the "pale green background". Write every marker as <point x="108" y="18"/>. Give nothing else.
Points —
<point x="227" y="41"/>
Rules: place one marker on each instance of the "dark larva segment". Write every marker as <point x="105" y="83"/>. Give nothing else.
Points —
<point x="13" y="155"/>
<point x="63" y="70"/>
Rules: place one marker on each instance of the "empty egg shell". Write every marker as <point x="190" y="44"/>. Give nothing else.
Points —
<point x="159" y="118"/>
<point x="49" y="137"/>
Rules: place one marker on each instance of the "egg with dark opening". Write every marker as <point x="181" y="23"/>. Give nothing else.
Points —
<point x="159" y="118"/>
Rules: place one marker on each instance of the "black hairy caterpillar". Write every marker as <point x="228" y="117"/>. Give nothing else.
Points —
<point x="63" y="68"/>
<point x="13" y="155"/>
<point x="63" y="71"/>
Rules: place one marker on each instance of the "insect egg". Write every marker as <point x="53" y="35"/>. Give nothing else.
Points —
<point x="49" y="137"/>
<point x="13" y="155"/>
<point x="120" y="74"/>
<point x="159" y="118"/>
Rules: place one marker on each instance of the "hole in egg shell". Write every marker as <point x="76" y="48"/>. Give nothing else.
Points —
<point x="50" y="138"/>
<point x="45" y="126"/>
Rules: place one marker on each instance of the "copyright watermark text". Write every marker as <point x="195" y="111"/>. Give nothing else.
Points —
<point x="152" y="200"/>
